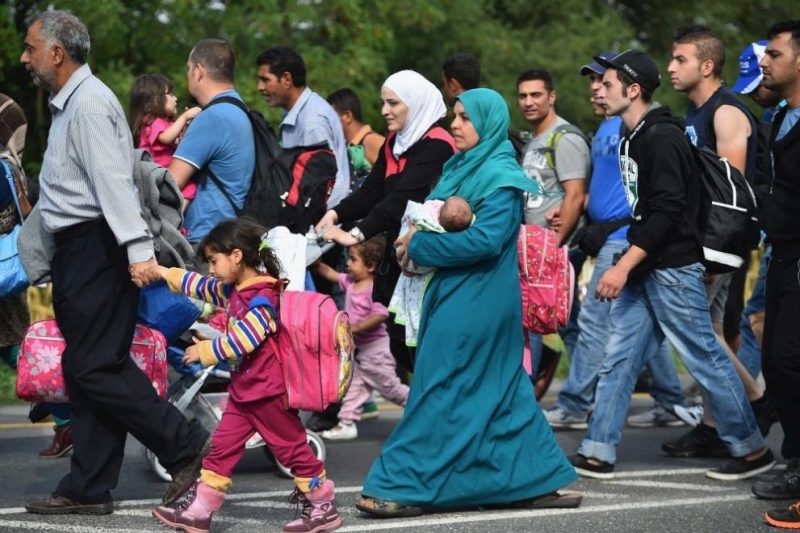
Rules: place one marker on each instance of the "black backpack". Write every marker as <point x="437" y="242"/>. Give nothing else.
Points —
<point x="728" y="216"/>
<point x="290" y="187"/>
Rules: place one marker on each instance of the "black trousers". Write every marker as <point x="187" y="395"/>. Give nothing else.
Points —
<point x="95" y="304"/>
<point x="780" y="359"/>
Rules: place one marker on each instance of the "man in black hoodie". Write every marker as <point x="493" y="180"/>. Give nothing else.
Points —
<point x="658" y="281"/>
<point x="781" y="348"/>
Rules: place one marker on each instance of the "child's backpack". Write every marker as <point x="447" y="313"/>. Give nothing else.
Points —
<point x="546" y="278"/>
<point x="39" y="375"/>
<point x="316" y="350"/>
<point x="727" y="214"/>
<point x="290" y="187"/>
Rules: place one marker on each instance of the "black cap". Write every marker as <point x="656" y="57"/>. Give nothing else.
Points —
<point x="639" y="67"/>
<point x="595" y="67"/>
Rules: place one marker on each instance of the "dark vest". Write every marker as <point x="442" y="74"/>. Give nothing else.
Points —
<point x="700" y="126"/>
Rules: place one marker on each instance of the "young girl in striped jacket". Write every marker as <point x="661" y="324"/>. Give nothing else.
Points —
<point x="245" y="279"/>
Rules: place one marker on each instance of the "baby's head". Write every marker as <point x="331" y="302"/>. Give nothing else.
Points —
<point x="456" y="214"/>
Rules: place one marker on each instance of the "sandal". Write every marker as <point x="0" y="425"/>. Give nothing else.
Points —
<point x="554" y="500"/>
<point x="386" y="508"/>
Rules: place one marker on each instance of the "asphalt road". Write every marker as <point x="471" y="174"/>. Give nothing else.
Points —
<point x="651" y="492"/>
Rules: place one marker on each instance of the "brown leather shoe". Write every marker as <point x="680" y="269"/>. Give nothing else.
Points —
<point x="62" y="443"/>
<point x="188" y="475"/>
<point x="62" y="505"/>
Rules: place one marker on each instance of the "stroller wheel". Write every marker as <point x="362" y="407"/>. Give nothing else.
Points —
<point x="317" y="446"/>
<point x="155" y="466"/>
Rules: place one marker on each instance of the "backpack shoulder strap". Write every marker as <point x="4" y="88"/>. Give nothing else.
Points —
<point x="207" y="170"/>
<point x="228" y="100"/>
<point x="551" y="143"/>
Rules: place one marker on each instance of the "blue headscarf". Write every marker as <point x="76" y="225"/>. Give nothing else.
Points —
<point x="489" y="165"/>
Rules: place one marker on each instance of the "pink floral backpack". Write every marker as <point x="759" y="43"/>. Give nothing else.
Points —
<point x="546" y="278"/>
<point x="39" y="376"/>
<point x="315" y="347"/>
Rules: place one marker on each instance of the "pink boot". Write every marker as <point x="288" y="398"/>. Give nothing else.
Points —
<point x="319" y="513"/>
<point x="193" y="515"/>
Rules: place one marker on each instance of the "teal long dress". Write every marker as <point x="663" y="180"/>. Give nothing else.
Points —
<point x="472" y="433"/>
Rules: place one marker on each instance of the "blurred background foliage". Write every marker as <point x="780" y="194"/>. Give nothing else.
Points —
<point x="358" y="43"/>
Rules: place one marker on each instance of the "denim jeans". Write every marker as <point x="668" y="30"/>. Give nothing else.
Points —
<point x="577" y="392"/>
<point x="749" y="351"/>
<point x="669" y="303"/>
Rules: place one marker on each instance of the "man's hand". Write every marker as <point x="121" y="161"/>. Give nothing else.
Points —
<point x="611" y="284"/>
<point x="145" y="273"/>
<point x="553" y="217"/>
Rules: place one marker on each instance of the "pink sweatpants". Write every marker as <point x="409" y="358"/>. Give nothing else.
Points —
<point x="374" y="370"/>
<point x="280" y="428"/>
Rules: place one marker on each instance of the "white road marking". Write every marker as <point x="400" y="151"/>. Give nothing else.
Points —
<point x="676" y="486"/>
<point x="137" y="508"/>
<point x="375" y="525"/>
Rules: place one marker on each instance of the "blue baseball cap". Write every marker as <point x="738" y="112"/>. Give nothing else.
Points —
<point x="595" y="67"/>
<point x="749" y="72"/>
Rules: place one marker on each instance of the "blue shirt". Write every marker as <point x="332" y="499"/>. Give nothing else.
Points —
<point x="222" y="138"/>
<point x="607" y="200"/>
<point x="791" y="118"/>
<point x="311" y="121"/>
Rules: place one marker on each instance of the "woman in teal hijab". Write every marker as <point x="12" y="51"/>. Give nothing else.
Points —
<point x="472" y="434"/>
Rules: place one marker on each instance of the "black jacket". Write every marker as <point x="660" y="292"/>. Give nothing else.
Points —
<point x="663" y="185"/>
<point x="782" y="204"/>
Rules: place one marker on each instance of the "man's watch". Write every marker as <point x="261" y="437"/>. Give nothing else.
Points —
<point x="356" y="234"/>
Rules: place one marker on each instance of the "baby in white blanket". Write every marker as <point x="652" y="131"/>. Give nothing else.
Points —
<point x="453" y="214"/>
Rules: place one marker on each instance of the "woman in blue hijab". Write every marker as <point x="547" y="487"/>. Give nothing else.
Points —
<point x="472" y="433"/>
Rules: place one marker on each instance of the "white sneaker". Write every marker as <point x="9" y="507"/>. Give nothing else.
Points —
<point x="691" y="415"/>
<point x="560" y="419"/>
<point x="657" y="416"/>
<point x="341" y="432"/>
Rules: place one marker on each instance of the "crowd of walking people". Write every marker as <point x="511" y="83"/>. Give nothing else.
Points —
<point x="428" y="218"/>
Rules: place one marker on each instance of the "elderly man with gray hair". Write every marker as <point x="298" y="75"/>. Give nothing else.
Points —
<point x="103" y="254"/>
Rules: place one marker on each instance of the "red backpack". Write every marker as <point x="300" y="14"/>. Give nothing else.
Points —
<point x="315" y="348"/>
<point x="546" y="278"/>
<point x="39" y="375"/>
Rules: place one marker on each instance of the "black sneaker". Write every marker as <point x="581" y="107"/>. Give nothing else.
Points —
<point x="784" y="486"/>
<point x="701" y="441"/>
<point x="739" y="468"/>
<point x="766" y="415"/>
<point x="784" y="518"/>
<point x="586" y="469"/>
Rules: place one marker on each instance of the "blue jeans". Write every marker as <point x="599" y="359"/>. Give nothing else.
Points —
<point x="669" y="303"/>
<point x="749" y="351"/>
<point x="586" y="359"/>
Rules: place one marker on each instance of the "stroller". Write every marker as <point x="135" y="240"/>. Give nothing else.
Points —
<point x="200" y="394"/>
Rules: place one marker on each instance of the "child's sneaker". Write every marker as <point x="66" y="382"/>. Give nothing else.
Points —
<point x="341" y="432"/>
<point x="319" y="513"/>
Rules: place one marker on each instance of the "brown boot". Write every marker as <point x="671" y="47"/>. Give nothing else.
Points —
<point x="62" y="443"/>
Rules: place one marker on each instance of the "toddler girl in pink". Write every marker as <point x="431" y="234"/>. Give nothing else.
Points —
<point x="152" y="109"/>
<point x="375" y="365"/>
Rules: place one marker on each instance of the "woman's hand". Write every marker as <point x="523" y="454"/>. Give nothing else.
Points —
<point x="330" y="219"/>
<point x="339" y="236"/>
<point x="401" y="246"/>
